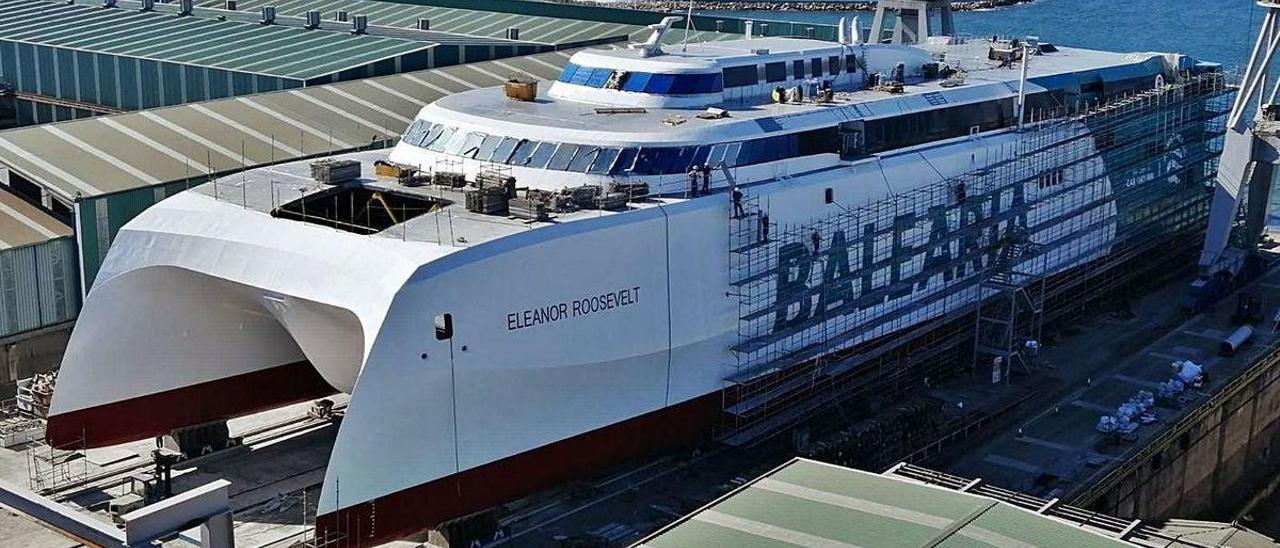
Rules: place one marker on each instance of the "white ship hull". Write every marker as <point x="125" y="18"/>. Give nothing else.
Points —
<point x="580" y="342"/>
<point x="564" y="336"/>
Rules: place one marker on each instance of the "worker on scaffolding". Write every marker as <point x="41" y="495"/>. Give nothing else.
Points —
<point x="737" y="202"/>
<point x="817" y="242"/>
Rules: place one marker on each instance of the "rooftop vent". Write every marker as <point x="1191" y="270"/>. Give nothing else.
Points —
<point x="148" y="5"/>
<point x="513" y="33"/>
<point x="424" y="23"/>
<point x="340" y="15"/>
<point x="313" y="19"/>
<point x="229" y="5"/>
<point x="268" y="15"/>
<point x="184" y="7"/>
<point x="359" y="24"/>
<point x="108" y="3"/>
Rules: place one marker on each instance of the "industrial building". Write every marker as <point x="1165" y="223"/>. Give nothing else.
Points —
<point x="87" y="59"/>
<point x="809" y="503"/>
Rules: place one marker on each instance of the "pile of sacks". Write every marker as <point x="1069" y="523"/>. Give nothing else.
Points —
<point x="1130" y="415"/>
<point x="1185" y="373"/>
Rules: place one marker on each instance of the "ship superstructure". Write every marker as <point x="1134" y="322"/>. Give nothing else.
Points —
<point x="532" y="286"/>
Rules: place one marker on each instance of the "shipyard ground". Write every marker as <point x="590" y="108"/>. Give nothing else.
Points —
<point x="1084" y="371"/>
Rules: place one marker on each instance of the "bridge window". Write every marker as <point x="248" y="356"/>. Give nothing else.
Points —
<point x="815" y="66"/>
<point x="636" y="81"/>
<point x="741" y="76"/>
<point x="775" y="72"/>
<point x="642" y="82"/>
<point x="833" y="65"/>
<point x="797" y="69"/>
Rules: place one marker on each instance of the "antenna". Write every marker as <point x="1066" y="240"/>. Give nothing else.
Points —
<point x="688" y="22"/>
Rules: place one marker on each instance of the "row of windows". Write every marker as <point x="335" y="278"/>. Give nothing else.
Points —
<point x="645" y="82"/>
<point x="609" y="160"/>
<point x="800" y="69"/>
<point x="685" y="84"/>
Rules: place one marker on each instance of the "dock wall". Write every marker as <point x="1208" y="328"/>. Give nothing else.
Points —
<point x="1207" y="465"/>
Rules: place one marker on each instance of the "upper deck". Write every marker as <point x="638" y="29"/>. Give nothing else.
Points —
<point x="269" y="190"/>
<point x="579" y="119"/>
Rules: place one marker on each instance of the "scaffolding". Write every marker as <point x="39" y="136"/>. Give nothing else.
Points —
<point x="979" y="259"/>
<point x="50" y="469"/>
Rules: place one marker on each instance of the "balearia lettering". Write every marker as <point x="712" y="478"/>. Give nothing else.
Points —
<point x="554" y="312"/>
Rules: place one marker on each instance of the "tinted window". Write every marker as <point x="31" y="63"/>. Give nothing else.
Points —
<point x="626" y="159"/>
<point x="700" y="156"/>
<point x="581" y="76"/>
<point x="567" y="74"/>
<point x="486" y="147"/>
<point x="417" y="130"/>
<point x="542" y="155"/>
<point x="603" y="160"/>
<point x="599" y="77"/>
<point x="645" y="161"/>
<point x="564" y="153"/>
<point x="710" y="83"/>
<point x="731" y="154"/>
<point x="851" y="64"/>
<point x="685" y="84"/>
<point x="523" y="152"/>
<point x="454" y="145"/>
<point x="636" y="81"/>
<point x="741" y="76"/>
<point x="503" y="151"/>
<point x="471" y="144"/>
<point x="797" y="69"/>
<point x="815" y="66"/>
<point x="775" y="72"/>
<point x="660" y="83"/>
<point x="833" y="65"/>
<point x="431" y="135"/>
<point x="441" y="139"/>
<point x="582" y="161"/>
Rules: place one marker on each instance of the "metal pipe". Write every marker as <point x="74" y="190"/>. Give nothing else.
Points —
<point x="1022" y="88"/>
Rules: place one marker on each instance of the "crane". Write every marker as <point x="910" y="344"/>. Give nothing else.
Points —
<point x="1250" y="155"/>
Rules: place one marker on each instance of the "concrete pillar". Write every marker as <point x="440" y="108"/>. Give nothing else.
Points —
<point x="922" y="26"/>
<point x="217" y="532"/>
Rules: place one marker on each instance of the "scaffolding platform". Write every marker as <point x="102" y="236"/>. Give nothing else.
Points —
<point x="986" y="254"/>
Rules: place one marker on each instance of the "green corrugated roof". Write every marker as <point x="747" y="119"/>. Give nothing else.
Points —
<point x="273" y="50"/>
<point x="808" y="503"/>
<point x="475" y="22"/>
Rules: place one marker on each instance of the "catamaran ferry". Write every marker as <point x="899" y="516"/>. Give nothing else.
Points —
<point x="547" y="278"/>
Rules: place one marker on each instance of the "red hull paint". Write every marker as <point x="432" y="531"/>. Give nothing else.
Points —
<point x="422" y="507"/>
<point x="156" y="414"/>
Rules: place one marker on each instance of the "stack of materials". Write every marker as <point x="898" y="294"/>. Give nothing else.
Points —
<point x="333" y="172"/>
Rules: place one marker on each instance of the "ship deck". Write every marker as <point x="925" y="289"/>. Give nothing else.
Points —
<point x="267" y="189"/>
<point x="983" y="79"/>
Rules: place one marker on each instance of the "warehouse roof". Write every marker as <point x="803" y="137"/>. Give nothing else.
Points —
<point x="286" y="52"/>
<point x="137" y="149"/>
<point x="476" y="22"/>
<point x="810" y="503"/>
<point x="22" y="223"/>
